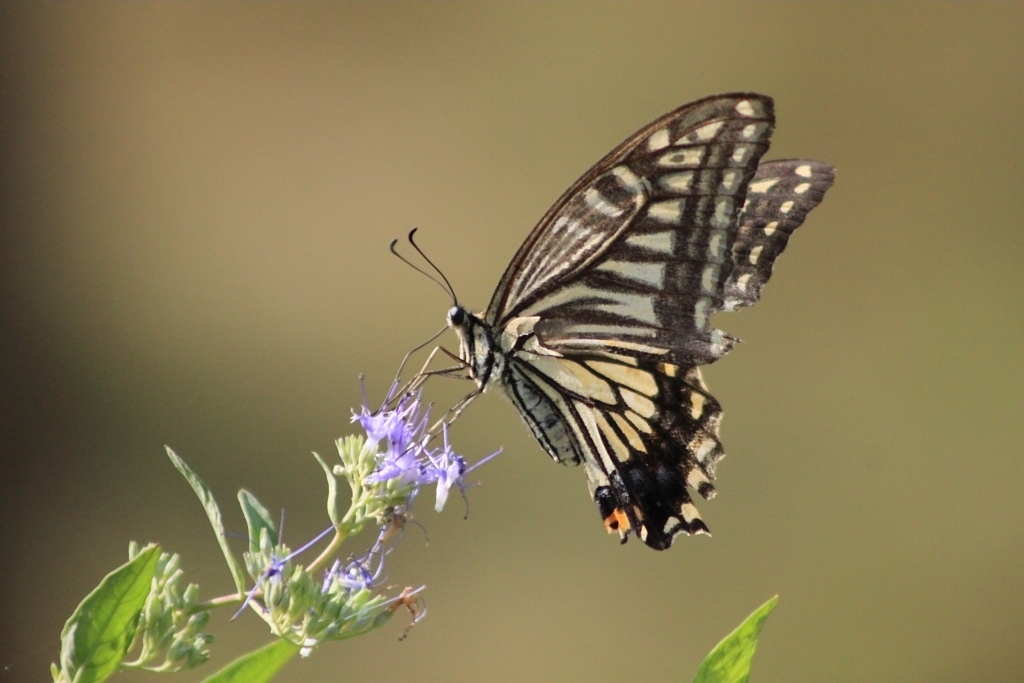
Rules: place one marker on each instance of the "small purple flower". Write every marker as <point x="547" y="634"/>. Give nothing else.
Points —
<point x="356" y="574"/>
<point x="392" y="425"/>
<point x="407" y="456"/>
<point x="449" y="469"/>
<point x="402" y="465"/>
<point x="404" y="431"/>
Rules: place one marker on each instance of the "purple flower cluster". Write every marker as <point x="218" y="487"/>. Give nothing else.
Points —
<point x="385" y="473"/>
<point x="407" y="456"/>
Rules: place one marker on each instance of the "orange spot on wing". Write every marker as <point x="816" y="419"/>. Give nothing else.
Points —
<point x="617" y="521"/>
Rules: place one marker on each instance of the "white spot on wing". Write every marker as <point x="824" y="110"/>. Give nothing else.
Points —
<point x="627" y="305"/>
<point x="719" y="346"/>
<point x="659" y="140"/>
<point x="689" y="512"/>
<point x="573" y="377"/>
<point x="716" y="245"/>
<point x="696" y="404"/>
<point x="709" y="279"/>
<point x="629" y="432"/>
<point x="587" y="415"/>
<point x="694" y="478"/>
<point x="667" y="212"/>
<point x="744" y="108"/>
<point x="722" y="217"/>
<point x="609" y="331"/>
<point x="682" y="158"/>
<point x="561" y="296"/>
<point x="700" y="312"/>
<point x="622" y="453"/>
<point x="755" y="254"/>
<point x="677" y="182"/>
<point x="754" y="131"/>
<point x="641" y="404"/>
<point x="740" y="154"/>
<point x="729" y="179"/>
<point x="803" y="171"/>
<point x="786" y="207"/>
<point x="598" y="345"/>
<point x="647" y="272"/>
<point x="628" y="360"/>
<point x="640" y="423"/>
<point x="801" y="188"/>
<point x="693" y="376"/>
<point x="631" y="377"/>
<point x="661" y="242"/>
<point x="701" y="446"/>
<point x="763" y="185"/>
<point x="596" y="201"/>
<point x="770" y="227"/>
<point x="631" y="181"/>
<point x="703" y="134"/>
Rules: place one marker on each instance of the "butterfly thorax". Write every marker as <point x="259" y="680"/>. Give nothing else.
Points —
<point x="477" y="347"/>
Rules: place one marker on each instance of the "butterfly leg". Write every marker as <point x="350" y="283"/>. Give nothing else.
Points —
<point x="417" y="381"/>
<point x="454" y="412"/>
<point x="459" y="371"/>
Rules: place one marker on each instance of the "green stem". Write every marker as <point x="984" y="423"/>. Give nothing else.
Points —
<point x="329" y="551"/>
<point x="221" y="601"/>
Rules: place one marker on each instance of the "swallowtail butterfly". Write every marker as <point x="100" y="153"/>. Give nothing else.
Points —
<point x="601" y="322"/>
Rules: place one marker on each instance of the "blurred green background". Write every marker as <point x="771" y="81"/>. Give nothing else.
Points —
<point x="196" y="205"/>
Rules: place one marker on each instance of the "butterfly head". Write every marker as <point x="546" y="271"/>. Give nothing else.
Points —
<point x="476" y="347"/>
<point x="457" y="317"/>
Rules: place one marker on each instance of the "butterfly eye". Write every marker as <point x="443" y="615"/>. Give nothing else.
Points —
<point x="456" y="316"/>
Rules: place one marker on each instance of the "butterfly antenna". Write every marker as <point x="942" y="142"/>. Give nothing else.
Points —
<point x="451" y="290"/>
<point x="447" y="290"/>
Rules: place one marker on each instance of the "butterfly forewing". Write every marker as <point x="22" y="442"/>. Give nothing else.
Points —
<point x="689" y="168"/>
<point x="601" y="319"/>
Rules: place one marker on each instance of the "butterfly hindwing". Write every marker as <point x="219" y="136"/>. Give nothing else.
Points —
<point x="645" y="431"/>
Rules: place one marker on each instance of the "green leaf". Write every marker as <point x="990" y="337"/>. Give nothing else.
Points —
<point x="257" y="666"/>
<point x="332" y="493"/>
<point x="730" y="661"/>
<point x="213" y="514"/>
<point x="98" y="634"/>
<point x="256" y="518"/>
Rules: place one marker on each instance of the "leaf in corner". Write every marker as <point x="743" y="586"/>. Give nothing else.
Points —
<point x="730" y="660"/>
<point x="258" y="666"/>
<point x="98" y="634"/>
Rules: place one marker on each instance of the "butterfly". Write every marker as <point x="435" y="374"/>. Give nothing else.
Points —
<point x="599" y="326"/>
